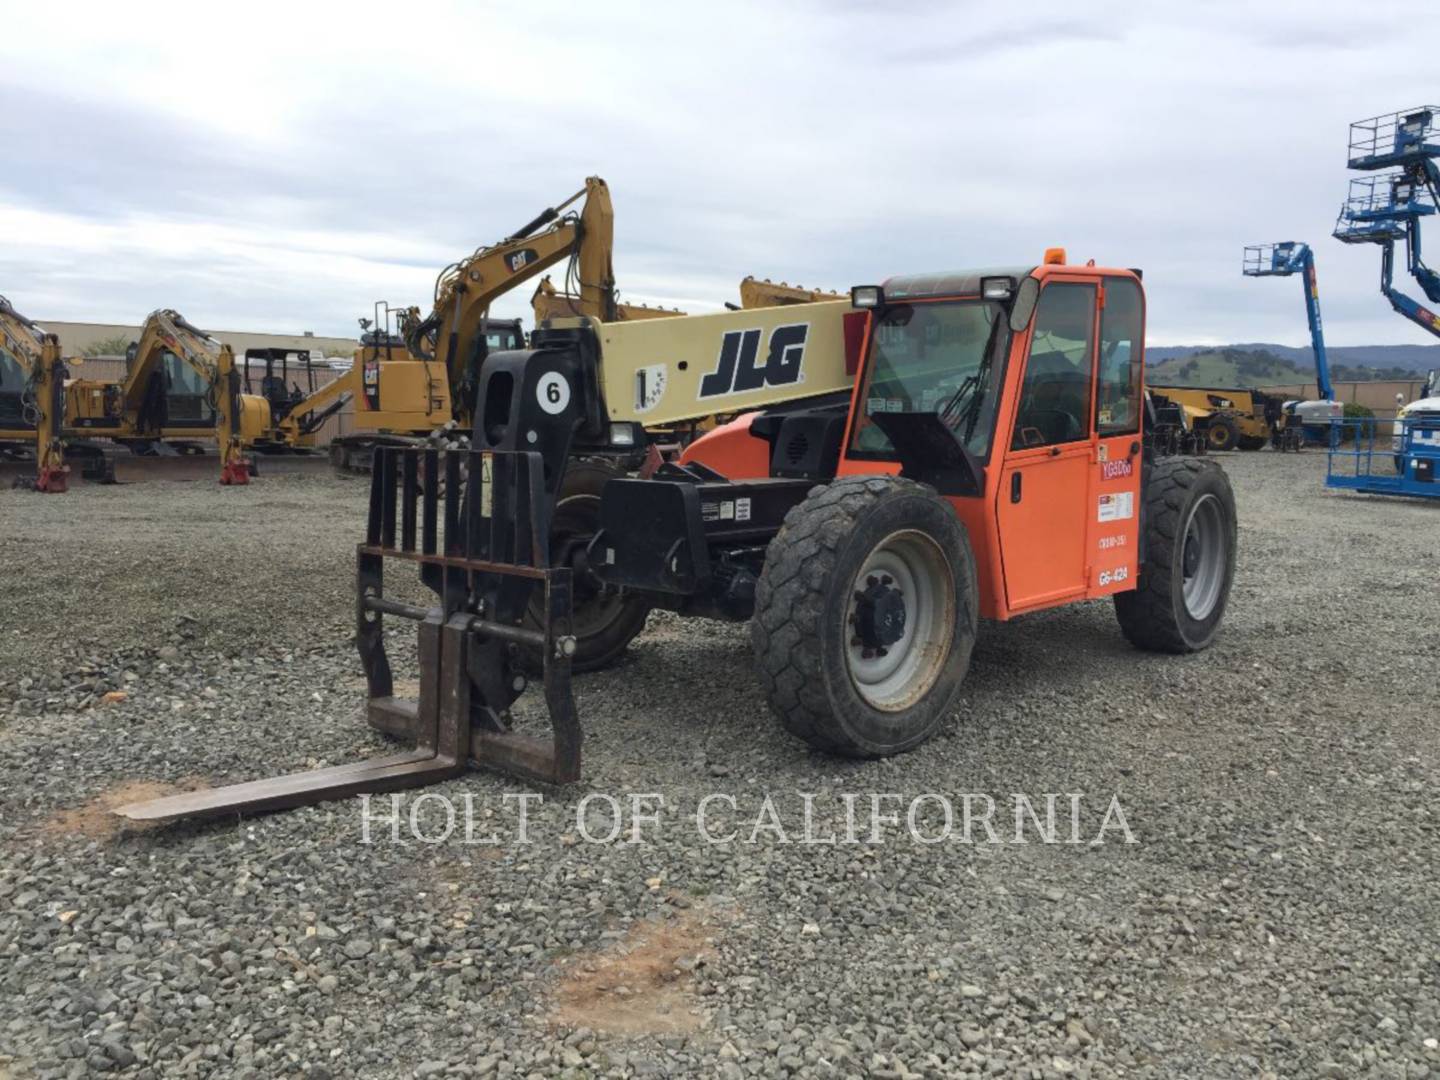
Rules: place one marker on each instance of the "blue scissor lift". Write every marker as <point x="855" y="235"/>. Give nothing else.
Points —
<point x="1398" y="151"/>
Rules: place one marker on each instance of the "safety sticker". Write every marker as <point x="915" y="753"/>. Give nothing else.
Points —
<point x="742" y="509"/>
<point x="1117" y="507"/>
<point x="649" y="387"/>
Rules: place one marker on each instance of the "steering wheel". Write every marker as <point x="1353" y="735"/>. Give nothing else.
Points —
<point x="1068" y="428"/>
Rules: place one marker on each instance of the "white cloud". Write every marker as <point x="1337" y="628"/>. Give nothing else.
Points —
<point x="280" y="166"/>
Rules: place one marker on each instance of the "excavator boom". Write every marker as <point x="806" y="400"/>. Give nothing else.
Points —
<point x="32" y="395"/>
<point x="465" y="290"/>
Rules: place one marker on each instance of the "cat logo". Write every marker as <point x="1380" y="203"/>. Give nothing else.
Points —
<point x="518" y="260"/>
<point x="737" y="371"/>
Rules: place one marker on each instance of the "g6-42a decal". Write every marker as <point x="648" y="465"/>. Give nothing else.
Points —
<point x="737" y="369"/>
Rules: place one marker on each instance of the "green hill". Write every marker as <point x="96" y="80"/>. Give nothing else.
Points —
<point x="1253" y="367"/>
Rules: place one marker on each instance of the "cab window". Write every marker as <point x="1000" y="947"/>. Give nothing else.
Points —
<point x="1122" y="358"/>
<point x="1055" y="396"/>
<point x="932" y="357"/>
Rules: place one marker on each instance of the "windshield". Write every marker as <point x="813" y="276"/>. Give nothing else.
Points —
<point x="933" y="357"/>
<point x="12" y="376"/>
<point x="181" y="378"/>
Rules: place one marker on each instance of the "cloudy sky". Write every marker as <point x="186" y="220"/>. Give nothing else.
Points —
<point x="281" y="166"/>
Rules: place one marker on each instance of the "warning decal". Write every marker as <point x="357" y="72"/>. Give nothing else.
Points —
<point x="1117" y="507"/>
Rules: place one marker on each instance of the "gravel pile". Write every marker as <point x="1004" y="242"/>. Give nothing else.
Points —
<point x="1277" y="914"/>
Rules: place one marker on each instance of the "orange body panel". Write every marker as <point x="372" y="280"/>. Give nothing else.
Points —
<point x="731" y="450"/>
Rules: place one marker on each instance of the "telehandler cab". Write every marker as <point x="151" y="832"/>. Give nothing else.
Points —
<point x="939" y="449"/>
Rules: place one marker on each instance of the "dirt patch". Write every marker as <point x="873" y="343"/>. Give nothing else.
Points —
<point x="96" y="820"/>
<point x="642" y="984"/>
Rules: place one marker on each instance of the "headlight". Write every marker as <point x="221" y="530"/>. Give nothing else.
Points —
<point x="622" y="434"/>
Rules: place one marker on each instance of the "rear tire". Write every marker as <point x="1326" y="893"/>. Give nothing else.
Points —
<point x="865" y="616"/>
<point x="1184" y="584"/>
<point x="605" y="621"/>
<point x="1222" y="434"/>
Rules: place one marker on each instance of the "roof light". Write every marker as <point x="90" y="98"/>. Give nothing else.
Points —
<point x="996" y="288"/>
<point x="1054" y="256"/>
<point x="867" y="296"/>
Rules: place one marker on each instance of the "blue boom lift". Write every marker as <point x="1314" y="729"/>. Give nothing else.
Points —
<point x="1399" y="151"/>
<point x="1283" y="260"/>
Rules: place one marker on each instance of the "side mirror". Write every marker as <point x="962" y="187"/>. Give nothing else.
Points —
<point x="1023" y="308"/>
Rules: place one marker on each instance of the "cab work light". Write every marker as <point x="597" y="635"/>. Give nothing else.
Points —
<point x="996" y="288"/>
<point x="867" y="296"/>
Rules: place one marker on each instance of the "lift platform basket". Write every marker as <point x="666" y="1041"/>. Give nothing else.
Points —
<point x="1404" y="462"/>
<point x="1267" y="260"/>
<point x="1378" y="208"/>
<point x="1394" y="138"/>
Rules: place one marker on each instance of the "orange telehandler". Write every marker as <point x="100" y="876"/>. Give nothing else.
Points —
<point x="976" y="449"/>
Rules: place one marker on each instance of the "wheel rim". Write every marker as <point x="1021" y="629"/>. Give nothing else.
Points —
<point x="574" y="523"/>
<point x="894" y="675"/>
<point x="1204" y="557"/>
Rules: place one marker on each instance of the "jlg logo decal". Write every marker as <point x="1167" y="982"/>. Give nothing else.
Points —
<point x="1113" y="470"/>
<point x="737" y="370"/>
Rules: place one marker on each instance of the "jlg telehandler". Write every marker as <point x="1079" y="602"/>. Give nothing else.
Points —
<point x="940" y="449"/>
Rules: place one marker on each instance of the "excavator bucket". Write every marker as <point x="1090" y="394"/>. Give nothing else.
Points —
<point x="476" y="524"/>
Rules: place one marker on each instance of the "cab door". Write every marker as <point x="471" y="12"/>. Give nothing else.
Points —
<point x="1114" y="529"/>
<point x="1044" y="496"/>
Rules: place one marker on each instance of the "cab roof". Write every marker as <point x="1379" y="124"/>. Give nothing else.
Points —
<point x="948" y="283"/>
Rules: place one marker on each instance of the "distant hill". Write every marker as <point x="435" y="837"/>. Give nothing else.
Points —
<point x="1409" y="358"/>
<point x="1258" y="365"/>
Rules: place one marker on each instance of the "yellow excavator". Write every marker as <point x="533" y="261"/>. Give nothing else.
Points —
<point x="32" y="398"/>
<point x="180" y="384"/>
<point x="755" y="293"/>
<point x="548" y="302"/>
<point x="419" y="384"/>
<point x="464" y="291"/>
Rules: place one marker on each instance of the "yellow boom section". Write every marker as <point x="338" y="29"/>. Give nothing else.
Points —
<point x="665" y="371"/>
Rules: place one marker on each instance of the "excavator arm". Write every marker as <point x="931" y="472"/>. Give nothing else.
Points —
<point x="548" y="302"/>
<point x="35" y="355"/>
<point x="755" y="293"/>
<point x="306" y="417"/>
<point x="464" y="291"/>
<point x="167" y="331"/>
<point x="238" y="417"/>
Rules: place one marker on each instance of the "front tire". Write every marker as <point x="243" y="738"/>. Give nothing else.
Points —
<point x="1222" y="434"/>
<point x="605" y="621"/>
<point x="865" y="616"/>
<point x="1189" y="563"/>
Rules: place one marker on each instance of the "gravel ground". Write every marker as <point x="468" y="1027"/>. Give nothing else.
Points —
<point x="1276" y="915"/>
